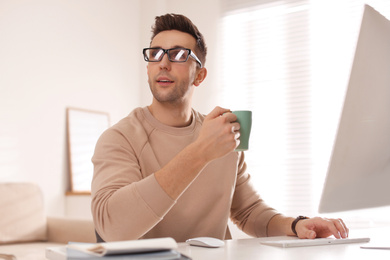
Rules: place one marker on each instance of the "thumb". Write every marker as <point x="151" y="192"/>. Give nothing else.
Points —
<point x="217" y="111"/>
<point x="310" y="234"/>
<point x="305" y="232"/>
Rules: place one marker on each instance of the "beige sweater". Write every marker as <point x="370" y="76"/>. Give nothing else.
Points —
<point x="128" y="203"/>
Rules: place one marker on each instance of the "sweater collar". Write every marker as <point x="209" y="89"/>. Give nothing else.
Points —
<point x="170" y="129"/>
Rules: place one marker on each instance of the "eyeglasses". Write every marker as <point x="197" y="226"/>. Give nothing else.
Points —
<point x="174" y="55"/>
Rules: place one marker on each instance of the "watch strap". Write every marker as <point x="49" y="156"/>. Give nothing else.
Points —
<point x="294" y="223"/>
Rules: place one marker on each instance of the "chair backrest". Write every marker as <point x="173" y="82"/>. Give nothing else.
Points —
<point x="23" y="217"/>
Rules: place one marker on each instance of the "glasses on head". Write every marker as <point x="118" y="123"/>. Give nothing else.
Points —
<point x="174" y="55"/>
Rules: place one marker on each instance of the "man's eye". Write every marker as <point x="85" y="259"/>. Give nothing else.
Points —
<point x="178" y="54"/>
<point x="156" y="54"/>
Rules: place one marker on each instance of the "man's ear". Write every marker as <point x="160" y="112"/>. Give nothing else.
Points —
<point x="200" y="76"/>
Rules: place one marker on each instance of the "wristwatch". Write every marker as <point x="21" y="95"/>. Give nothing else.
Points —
<point x="293" y="225"/>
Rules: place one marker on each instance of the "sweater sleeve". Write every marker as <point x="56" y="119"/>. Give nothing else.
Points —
<point x="249" y="212"/>
<point x="125" y="203"/>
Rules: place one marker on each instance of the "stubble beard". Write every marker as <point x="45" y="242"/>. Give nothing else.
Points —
<point x="172" y="96"/>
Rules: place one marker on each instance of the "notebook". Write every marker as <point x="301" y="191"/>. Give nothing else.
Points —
<point x="314" y="242"/>
<point x="64" y="253"/>
<point x="145" y="249"/>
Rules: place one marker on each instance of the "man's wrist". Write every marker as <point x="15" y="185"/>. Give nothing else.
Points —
<point x="295" y="222"/>
<point x="198" y="151"/>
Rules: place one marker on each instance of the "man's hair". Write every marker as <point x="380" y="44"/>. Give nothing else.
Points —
<point x="181" y="23"/>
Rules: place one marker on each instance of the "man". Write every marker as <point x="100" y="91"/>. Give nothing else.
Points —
<point x="168" y="171"/>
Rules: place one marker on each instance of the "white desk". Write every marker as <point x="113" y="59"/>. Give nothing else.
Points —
<point x="248" y="249"/>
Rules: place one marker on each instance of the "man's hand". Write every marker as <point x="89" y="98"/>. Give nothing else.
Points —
<point x="219" y="134"/>
<point x="321" y="227"/>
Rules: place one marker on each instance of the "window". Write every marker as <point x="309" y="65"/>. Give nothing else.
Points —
<point x="289" y="62"/>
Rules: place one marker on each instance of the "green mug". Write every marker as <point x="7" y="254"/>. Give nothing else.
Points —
<point x="244" y="118"/>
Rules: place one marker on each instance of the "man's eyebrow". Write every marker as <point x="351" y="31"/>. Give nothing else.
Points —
<point x="176" y="46"/>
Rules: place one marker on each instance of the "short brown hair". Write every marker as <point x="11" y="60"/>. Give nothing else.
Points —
<point x="181" y="23"/>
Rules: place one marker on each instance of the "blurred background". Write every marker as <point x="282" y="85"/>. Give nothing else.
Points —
<point x="287" y="61"/>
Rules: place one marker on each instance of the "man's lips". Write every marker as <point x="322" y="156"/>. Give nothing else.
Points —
<point x="164" y="80"/>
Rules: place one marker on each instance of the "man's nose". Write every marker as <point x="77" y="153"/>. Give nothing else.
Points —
<point x="165" y="63"/>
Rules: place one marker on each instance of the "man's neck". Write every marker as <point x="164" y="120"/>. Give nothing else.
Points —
<point x="171" y="115"/>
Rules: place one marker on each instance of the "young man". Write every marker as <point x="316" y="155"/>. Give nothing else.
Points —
<point x="168" y="171"/>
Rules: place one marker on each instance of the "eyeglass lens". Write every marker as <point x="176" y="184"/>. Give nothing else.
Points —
<point x="175" y="55"/>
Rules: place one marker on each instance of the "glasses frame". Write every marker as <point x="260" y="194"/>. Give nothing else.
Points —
<point x="166" y="51"/>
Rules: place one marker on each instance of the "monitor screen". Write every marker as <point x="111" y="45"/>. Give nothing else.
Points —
<point x="359" y="170"/>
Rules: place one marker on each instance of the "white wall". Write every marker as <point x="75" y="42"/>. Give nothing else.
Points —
<point x="85" y="54"/>
<point x="55" y="54"/>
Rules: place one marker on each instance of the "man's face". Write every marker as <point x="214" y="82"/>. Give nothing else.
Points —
<point x="172" y="82"/>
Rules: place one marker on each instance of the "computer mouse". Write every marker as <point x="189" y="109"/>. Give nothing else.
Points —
<point x="205" y="242"/>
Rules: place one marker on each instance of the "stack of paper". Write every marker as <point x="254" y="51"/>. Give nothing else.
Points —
<point x="145" y="249"/>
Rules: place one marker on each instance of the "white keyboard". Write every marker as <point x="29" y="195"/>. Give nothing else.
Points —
<point x="314" y="242"/>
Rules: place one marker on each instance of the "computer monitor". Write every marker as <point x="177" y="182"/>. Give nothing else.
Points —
<point x="359" y="170"/>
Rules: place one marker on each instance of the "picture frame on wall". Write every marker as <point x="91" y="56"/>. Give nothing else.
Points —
<point x="84" y="128"/>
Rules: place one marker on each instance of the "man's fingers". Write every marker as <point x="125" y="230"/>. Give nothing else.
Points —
<point x="310" y="234"/>
<point x="345" y="227"/>
<point x="322" y="227"/>
<point x="217" y="111"/>
<point x="341" y="227"/>
<point x="331" y="226"/>
<point x="337" y="228"/>
<point x="235" y="127"/>
<point x="306" y="232"/>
